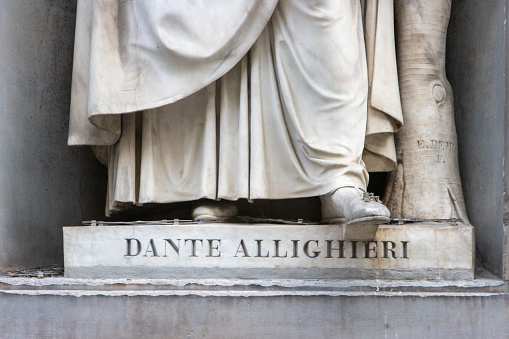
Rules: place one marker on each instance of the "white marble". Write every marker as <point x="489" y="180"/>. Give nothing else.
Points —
<point x="430" y="251"/>
<point x="427" y="182"/>
<point x="236" y="99"/>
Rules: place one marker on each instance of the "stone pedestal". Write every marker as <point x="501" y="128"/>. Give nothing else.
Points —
<point x="267" y="251"/>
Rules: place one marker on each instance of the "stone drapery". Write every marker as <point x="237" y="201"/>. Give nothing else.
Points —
<point x="235" y="99"/>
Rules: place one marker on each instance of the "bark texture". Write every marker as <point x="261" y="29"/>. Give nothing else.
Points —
<point x="426" y="183"/>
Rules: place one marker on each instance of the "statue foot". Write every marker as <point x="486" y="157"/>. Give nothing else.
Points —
<point x="351" y="205"/>
<point x="207" y="210"/>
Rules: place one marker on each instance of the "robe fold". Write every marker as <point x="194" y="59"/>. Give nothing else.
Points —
<point x="235" y="98"/>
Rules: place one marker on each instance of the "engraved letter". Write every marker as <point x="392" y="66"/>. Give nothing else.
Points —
<point x="151" y="248"/>
<point x="388" y="249"/>
<point x="340" y="249"/>
<point x="276" y="250"/>
<point x="129" y="248"/>
<point x="306" y="249"/>
<point x="215" y="248"/>
<point x="405" y="250"/>
<point x="193" y="246"/>
<point x="354" y="249"/>
<point x="173" y="245"/>
<point x="259" y="246"/>
<point x="243" y="250"/>
<point x="368" y="249"/>
<point x="295" y="248"/>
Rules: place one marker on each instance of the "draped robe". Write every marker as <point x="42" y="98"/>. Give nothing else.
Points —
<point x="234" y="99"/>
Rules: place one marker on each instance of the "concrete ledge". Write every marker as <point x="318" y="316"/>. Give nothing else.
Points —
<point x="484" y="286"/>
<point x="202" y="308"/>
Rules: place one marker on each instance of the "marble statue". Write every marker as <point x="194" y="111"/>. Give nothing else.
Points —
<point x="228" y="99"/>
<point x="426" y="184"/>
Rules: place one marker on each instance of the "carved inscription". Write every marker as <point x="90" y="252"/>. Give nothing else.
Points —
<point x="276" y="248"/>
<point x="436" y="145"/>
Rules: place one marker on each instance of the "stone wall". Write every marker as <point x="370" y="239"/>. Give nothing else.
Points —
<point x="476" y="68"/>
<point x="44" y="184"/>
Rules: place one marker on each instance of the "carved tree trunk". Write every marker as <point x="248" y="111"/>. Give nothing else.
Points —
<point x="426" y="184"/>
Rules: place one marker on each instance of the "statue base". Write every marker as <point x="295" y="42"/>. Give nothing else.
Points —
<point x="269" y="251"/>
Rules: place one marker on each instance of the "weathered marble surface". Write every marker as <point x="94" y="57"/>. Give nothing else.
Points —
<point x="235" y="99"/>
<point x="427" y="181"/>
<point x="430" y="251"/>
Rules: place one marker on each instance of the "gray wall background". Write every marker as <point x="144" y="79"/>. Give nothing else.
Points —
<point x="44" y="184"/>
<point x="476" y="68"/>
